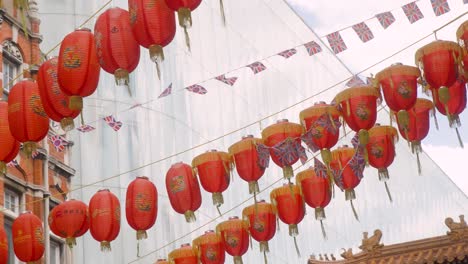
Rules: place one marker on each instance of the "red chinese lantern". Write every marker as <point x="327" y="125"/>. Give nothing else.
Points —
<point x="162" y="261"/>
<point x="235" y="235"/>
<point x="322" y="121"/>
<point x="104" y="208"/>
<point x="249" y="162"/>
<point x="283" y="132"/>
<point x="439" y="60"/>
<point x="316" y="192"/>
<point x="381" y="150"/>
<point x="262" y="221"/>
<point x="399" y="85"/>
<point x="28" y="121"/>
<point x="183" y="255"/>
<point x="209" y="248"/>
<point x="141" y="205"/>
<point x="348" y="166"/>
<point x="9" y="146"/>
<point x="414" y="125"/>
<point x="28" y="237"/>
<point x="359" y="109"/>
<point x="290" y="207"/>
<point x="3" y="247"/>
<point x="69" y="220"/>
<point x="451" y="101"/>
<point x="78" y="66"/>
<point x="153" y="25"/>
<point x="214" y="170"/>
<point x="183" y="190"/>
<point x="184" y="10"/>
<point x="55" y="102"/>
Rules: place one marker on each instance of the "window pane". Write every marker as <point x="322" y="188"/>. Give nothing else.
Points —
<point x="11" y="254"/>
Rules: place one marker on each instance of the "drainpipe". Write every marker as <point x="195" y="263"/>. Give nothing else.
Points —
<point x="45" y="173"/>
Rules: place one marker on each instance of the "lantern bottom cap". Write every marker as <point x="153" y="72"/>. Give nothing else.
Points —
<point x="253" y="187"/>
<point x="105" y="246"/>
<point x="238" y="260"/>
<point x="383" y="174"/>
<point x="121" y="77"/>
<point x="320" y="213"/>
<point x="141" y="234"/>
<point x="76" y="102"/>
<point x="350" y="194"/>
<point x="29" y="147"/>
<point x="3" y="167"/>
<point x="293" y="230"/>
<point x="190" y="216"/>
<point x="264" y="247"/>
<point x="70" y="241"/>
<point x="288" y="172"/>
<point x="67" y="124"/>
<point x="218" y="199"/>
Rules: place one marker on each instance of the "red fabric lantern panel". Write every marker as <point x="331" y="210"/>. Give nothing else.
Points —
<point x="262" y="221"/>
<point x="184" y="10"/>
<point x="235" y="235"/>
<point x="3" y="247"/>
<point x="153" y="25"/>
<point x="399" y="85"/>
<point x="247" y="160"/>
<point x="78" y="66"/>
<point x="28" y="121"/>
<point x="55" y="102"/>
<point x="104" y="208"/>
<point x="278" y="133"/>
<point x="210" y="248"/>
<point x="9" y="146"/>
<point x="381" y="148"/>
<point x="439" y="60"/>
<point x="183" y="255"/>
<point x="69" y="220"/>
<point x="324" y="121"/>
<point x="289" y="206"/>
<point x="462" y="37"/>
<point x="28" y="237"/>
<point x="315" y="190"/>
<point x="117" y="50"/>
<point x="183" y="190"/>
<point x="141" y="205"/>
<point x="214" y="170"/>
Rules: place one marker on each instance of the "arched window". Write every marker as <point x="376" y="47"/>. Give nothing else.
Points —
<point x="11" y="66"/>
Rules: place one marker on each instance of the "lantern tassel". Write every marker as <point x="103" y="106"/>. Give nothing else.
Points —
<point x="138" y="248"/>
<point x="297" y="247"/>
<point x="264" y="248"/>
<point x="253" y="187"/>
<point x="288" y="172"/>
<point x="3" y="167"/>
<point x="293" y="230"/>
<point x="70" y="241"/>
<point x="105" y="246"/>
<point x="419" y="163"/>
<point x="265" y="259"/>
<point x="323" y="230"/>
<point x="67" y="124"/>
<point x="190" y="216"/>
<point x="383" y="174"/>
<point x="82" y="118"/>
<point x="238" y="260"/>
<point x="251" y="242"/>
<point x="219" y="210"/>
<point x="157" y="56"/>
<point x="354" y="210"/>
<point x="29" y="147"/>
<point x="388" y="192"/>
<point x="460" y="141"/>
<point x="319" y="213"/>
<point x="141" y="234"/>
<point x="218" y="199"/>
<point x="223" y="15"/>
<point x="76" y="103"/>
<point x="121" y="77"/>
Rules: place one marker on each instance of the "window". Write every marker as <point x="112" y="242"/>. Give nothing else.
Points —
<point x="8" y="230"/>
<point x="56" y="252"/>
<point x="12" y="201"/>
<point x="10" y="70"/>
<point x="12" y="61"/>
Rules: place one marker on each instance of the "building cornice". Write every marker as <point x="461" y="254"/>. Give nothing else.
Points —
<point x="5" y="16"/>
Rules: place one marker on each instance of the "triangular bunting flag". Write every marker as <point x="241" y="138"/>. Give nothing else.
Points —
<point x="336" y="42"/>
<point x="198" y="89"/>
<point x="288" y="53"/>
<point x="385" y="19"/>
<point x="257" y="67"/>
<point x="12" y="163"/>
<point x="229" y="81"/>
<point x="412" y="12"/>
<point x="85" y="128"/>
<point x="313" y="48"/>
<point x="320" y="169"/>
<point x="114" y="124"/>
<point x="166" y="92"/>
<point x="440" y="7"/>
<point x="363" y="31"/>
<point x="355" y="81"/>
<point x="59" y="142"/>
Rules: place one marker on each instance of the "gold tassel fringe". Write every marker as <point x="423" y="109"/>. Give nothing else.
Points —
<point x="238" y="260"/>
<point x="288" y="172"/>
<point x="218" y="199"/>
<point x="253" y="187"/>
<point x="320" y="213"/>
<point x="157" y="56"/>
<point x="67" y="124"/>
<point x="121" y="77"/>
<point x="383" y="175"/>
<point x="264" y="247"/>
<point x="141" y="234"/>
<point x="29" y="147"/>
<point x="190" y="216"/>
<point x="3" y="167"/>
<point x="350" y="194"/>
<point x="76" y="103"/>
<point x="106" y="246"/>
<point x="293" y="230"/>
<point x="185" y="21"/>
<point x="460" y="141"/>
<point x="70" y="241"/>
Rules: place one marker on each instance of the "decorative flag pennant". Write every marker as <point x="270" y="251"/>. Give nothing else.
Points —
<point x="338" y="177"/>
<point x="301" y="152"/>
<point x="229" y="81"/>
<point x="355" y="81"/>
<point x="59" y="142"/>
<point x="308" y="139"/>
<point x="465" y="1"/>
<point x="263" y="156"/>
<point x="327" y="122"/>
<point x="385" y="19"/>
<point x="336" y="42"/>
<point x="358" y="163"/>
<point x="363" y="31"/>
<point x="257" y="67"/>
<point x="85" y="128"/>
<point x="355" y="141"/>
<point x="320" y="169"/>
<point x="313" y="48"/>
<point x="136" y="105"/>
<point x="288" y="53"/>
<point x="166" y="92"/>
<point x="114" y="124"/>
<point x="412" y="12"/>
<point x="198" y="89"/>
<point x="288" y="151"/>
<point x="34" y="154"/>
<point x="12" y="163"/>
<point x="440" y="7"/>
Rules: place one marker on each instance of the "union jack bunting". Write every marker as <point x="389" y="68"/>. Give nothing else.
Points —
<point x="229" y="81"/>
<point x="313" y="48"/>
<point x="308" y="139"/>
<point x="363" y="32"/>
<point x="412" y="12"/>
<point x="136" y="105"/>
<point x="338" y="177"/>
<point x="288" y="53"/>
<point x="301" y="152"/>
<point x="59" y="142"/>
<point x="12" y="163"/>
<point x="320" y="169"/>
<point x="85" y="128"/>
<point x="257" y="67"/>
<point x="166" y="92"/>
<point x="327" y="123"/>
<point x="287" y="151"/>
<point x="263" y="156"/>
<point x="355" y="141"/>
<point x="114" y="124"/>
<point x="358" y="163"/>
<point x="198" y="89"/>
<point x="385" y="19"/>
<point x="440" y="7"/>
<point x="336" y="42"/>
<point x="34" y="154"/>
<point x="355" y="81"/>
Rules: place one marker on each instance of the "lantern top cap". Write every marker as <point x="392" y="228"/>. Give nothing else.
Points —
<point x="285" y="120"/>
<point x="162" y="259"/>
<point x="26" y="212"/>
<point x="261" y="201"/>
<point x="83" y="29"/>
<point x="209" y="232"/>
<point x="103" y="190"/>
<point x="397" y="64"/>
<point x="212" y="150"/>
<point x="247" y="136"/>
<point x="233" y="218"/>
<point x="320" y="103"/>
<point x="185" y="245"/>
<point x="143" y="177"/>
<point x="377" y="124"/>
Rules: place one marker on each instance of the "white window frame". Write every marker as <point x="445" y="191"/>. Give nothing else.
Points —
<point x="12" y="259"/>
<point x="17" y="200"/>
<point x="56" y="251"/>
<point x="10" y="70"/>
<point x="13" y="60"/>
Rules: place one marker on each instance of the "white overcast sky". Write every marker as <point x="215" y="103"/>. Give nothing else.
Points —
<point x="324" y="17"/>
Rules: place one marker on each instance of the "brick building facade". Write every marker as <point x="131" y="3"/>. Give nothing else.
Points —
<point x="22" y="188"/>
